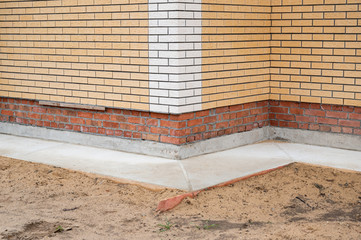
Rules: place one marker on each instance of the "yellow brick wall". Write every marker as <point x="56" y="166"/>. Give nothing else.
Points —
<point x="316" y="51"/>
<point x="235" y="51"/>
<point x="76" y="51"/>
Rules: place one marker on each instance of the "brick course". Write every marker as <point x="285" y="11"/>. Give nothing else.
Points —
<point x="318" y="117"/>
<point x="185" y="128"/>
<point x="132" y="124"/>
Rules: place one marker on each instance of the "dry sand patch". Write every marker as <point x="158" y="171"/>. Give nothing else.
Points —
<point x="297" y="202"/>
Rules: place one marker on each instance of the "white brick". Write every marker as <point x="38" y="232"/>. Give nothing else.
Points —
<point x="159" y="108"/>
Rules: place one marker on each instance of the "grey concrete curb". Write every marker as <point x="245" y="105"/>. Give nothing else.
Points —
<point x="170" y="151"/>
<point x="327" y="139"/>
<point x="139" y="146"/>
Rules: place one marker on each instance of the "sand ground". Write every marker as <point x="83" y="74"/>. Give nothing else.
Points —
<point x="297" y="202"/>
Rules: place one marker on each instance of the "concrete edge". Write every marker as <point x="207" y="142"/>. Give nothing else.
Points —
<point x="224" y="142"/>
<point x="169" y="151"/>
<point x="336" y="140"/>
<point x="157" y="149"/>
<point x="132" y="146"/>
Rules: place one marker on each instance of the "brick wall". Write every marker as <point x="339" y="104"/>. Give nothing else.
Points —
<point x="76" y="51"/>
<point x="235" y="52"/>
<point x="316" y="117"/>
<point x="132" y="124"/>
<point x="316" y="51"/>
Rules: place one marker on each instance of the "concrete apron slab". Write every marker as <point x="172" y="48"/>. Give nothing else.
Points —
<point x="191" y="174"/>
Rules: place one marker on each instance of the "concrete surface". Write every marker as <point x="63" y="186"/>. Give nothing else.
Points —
<point x="345" y="141"/>
<point x="190" y="174"/>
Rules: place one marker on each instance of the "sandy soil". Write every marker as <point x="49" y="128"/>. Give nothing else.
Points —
<point x="297" y="202"/>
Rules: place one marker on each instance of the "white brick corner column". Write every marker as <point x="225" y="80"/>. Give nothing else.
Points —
<point x="175" y="56"/>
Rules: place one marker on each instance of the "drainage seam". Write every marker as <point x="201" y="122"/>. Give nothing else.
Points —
<point x="185" y="174"/>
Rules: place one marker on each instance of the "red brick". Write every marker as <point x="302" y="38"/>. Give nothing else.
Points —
<point x="222" y="110"/>
<point x="325" y="128"/>
<point x="69" y="113"/>
<point x="315" y="106"/>
<point x="151" y="137"/>
<point x="243" y="114"/>
<point x="249" y="119"/>
<point x="137" y="135"/>
<point x="158" y="130"/>
<point x="262" y="104"/>
<point x="77" y="120"/>
<point x="202" y="113"/>
<point x="326" y="107"/>
<point x="274" y="123"/>
<point x="262" y="117"/>
<point x="135" y="113"/>
<point x="297" y="111"/>
<point x="127" y="134"/>
<point x="357" y="131"/>
<point x="304" y="105"/>
<point x="348" y="108"/>
<point x="289" y="104"/>
<point x="145" y="114"/>
<point x="249" y="105"/>
<point x="85" y="114"/>
<point x="136" y="120"/>
<point x="221" y="133"/>
<point x="303" y="125"/>
<point x="125" y="126"/>
<point x="278" y="110"/>
<point x="118" y="133"/>
<point x="110" y="124"/>
<point x="336" y="114"/>
<point x="172" y="124"/>
<point x="92" y="129"/>
<point x="179" y="132"/>
<point x="256" y="111"/>
<point x="199" y="129"/>
<point x="330" y="121"/>
<point x="152" y="122"/>
<point x="357" y="110"/>
<point x="39" y="109"/>
<point x="93" y="122"/>
<point x="101" y="116"/>
<point x="225" y="116"/>
<point x="55" y="111"/>
<point x="349" y="123"/>
<point x="337" y="108"/>
<point x="287" y="124"/>
<point x="141" y="128"/>
<point x="274" y="103"/>
<point x="236" y="108"/>
<point x="7" y="112"/>
<point x="312" y="112"/>
<point x="347" y="130"/>
<point x="222" y="125"/>
<point x="181" y="117"/>
<point x="172" y="140"/>
<point x="109" y="132"/>
<point x="335" y="129"/>
<point x="118" y="118"/>
<point x="286" y="117"/>
<point x="355" y="116"/>
<point x="314" y="127"/>
<point x="210" y="119"/>
<point x="126" y="112"/>
<point x="194" y="122"/>
<point x="36" y="116"/>
<point x="159" y="115"/>
<point x="305" y="119"/>
<point x="249" y="127"/>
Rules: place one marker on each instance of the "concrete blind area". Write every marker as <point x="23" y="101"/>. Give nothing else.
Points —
<point x="180" y="73"/>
